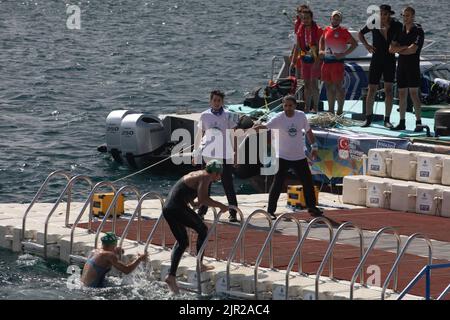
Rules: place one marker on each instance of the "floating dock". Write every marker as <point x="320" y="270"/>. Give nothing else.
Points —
<point x="330" y="253"/>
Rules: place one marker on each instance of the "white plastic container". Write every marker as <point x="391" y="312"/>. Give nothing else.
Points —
<point x="404" y="164"/>
<point x="427" y="199"/>
<point x="445" y="204"/>
<point x="403" y="196"/>
<point x="378" y="193"/>
<point x="354" y="190"/>
<point x="429" y="168"/>
<point x="380" y="162"/>
<point x="446" y="170"/>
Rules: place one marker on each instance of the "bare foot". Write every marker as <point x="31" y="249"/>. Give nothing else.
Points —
<point x="204" y="268"/>
<point x="172" y="283"/>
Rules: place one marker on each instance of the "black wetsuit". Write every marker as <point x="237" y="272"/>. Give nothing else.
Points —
<point x="179" y="216"/>
<point x="382" y="62"/>
<point x="408" y="69"/>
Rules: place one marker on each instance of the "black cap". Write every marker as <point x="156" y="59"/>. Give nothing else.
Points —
<point x="387" y="8"/>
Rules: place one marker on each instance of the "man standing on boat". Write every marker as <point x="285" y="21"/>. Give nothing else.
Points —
<point x="334" y="47"/>
<point x="408" y="43"/>
<point x="290" y="125"/>
<point x="382" y="63"/>
<point x="214" y="141"/>
<point x="308" y="36"/>
<point x="296" y="63"/>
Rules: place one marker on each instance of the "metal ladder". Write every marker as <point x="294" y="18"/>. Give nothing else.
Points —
<point x="402" y="253"/>
<point x="87" y="203"/>
<point x="268" y="242"/>
<point x="27" y="245"/>
<point x="38" y="194"/>
<point x="330" y="251"/>
<point x="241" y="240"/>
<point x="197" y="287"/>
<point x="297" y="251"/>
<point x="366" y="255"/>
<point x="112" y="208"/>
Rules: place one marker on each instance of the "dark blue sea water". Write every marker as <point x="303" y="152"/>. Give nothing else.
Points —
<point x="58" y="85"/>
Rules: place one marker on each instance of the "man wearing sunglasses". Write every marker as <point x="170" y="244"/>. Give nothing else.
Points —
<point x="408" y="43"/>
<point x="382" y="63"/>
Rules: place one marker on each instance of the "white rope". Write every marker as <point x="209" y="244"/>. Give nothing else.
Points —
<point x="153" y="165"/>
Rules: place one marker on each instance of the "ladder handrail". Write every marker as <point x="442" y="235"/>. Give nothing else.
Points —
<point x="240" y="239"/>
<point x="205" y="242"/>
<point x="444" y="293"/>
<point x="297" y="251"/>
<point x="366" y="254"/>
<point x="111" y="208"/>
<point x="138" y="212"/>
<point x="41" y="189"/>
<point x="427" y="271"/>
<point x="152" y="234"/>
<point x="67" y="190"/>
<point x="268" y="241"/>
<point x="331" y="248"/>
<point x="86" y="203"/>
<point x="402" y="253"/>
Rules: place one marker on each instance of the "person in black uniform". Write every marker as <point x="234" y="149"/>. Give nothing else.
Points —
<point x="382" y="62"/>
<point x="179" y="216"/>
<point x="408" y="44"/>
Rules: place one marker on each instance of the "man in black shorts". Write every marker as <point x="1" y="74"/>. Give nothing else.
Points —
<point x="408" y="44"/>
<point x="382" y="63"/>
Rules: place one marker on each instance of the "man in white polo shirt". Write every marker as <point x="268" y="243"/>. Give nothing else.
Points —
<point x="290" y="125"/>
<point x="214" y="141"/>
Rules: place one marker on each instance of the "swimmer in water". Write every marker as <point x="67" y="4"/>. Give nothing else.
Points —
<point x="179" y="216"/>
<point x="101" y="261"/>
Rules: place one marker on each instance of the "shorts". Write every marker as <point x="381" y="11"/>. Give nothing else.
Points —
<point x="311" y="71"/>
<point x="332" y="72"/>
<point x="382" y="67"/>
<point x="408" y="76"/>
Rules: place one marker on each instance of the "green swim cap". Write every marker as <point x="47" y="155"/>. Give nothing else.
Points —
<point x="109" y="238"/>
<point x="214" y="166"/>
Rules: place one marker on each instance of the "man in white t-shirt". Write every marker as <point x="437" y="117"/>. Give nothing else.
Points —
<point x="290" y="152"/>
<point x="214" y="141"/>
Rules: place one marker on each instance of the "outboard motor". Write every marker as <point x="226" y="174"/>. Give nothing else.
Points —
<point x="113" y="122"/>
<point x="140" y="136"/>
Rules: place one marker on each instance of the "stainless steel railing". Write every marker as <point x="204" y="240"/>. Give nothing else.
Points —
<point x="138" y="212"/>
<point x="268" y="241"/>
<point x="402" y="253"/>
<point x="112" y="207"/>
<point x="87" y="203"/>
<point x="299" y="247"/>
<point x="242" y="240"/>
<point x="38" y="194"/>
<point x="330" y="251"/>
<point x="366" y="254"/>
<point x="67" y="190"/>
<point x="212" y="230"/>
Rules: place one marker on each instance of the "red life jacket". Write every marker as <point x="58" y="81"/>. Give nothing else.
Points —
<point x="315" y="30"/>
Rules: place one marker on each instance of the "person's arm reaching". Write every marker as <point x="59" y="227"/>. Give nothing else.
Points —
<point x="127" y="268"/>
<point x="205" y="199"/>
<point x="312" y="141"/>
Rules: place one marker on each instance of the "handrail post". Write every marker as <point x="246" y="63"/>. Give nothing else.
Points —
<point x="58" y="201"/>
<point x="111" y="207"/>
<point x="41" y="189"/>
<point x="240" y="239"/>
<point x="330" y="251"/>
<point x="400" y="256"/>
<point x="298" y="252"/>
<point x="428" y="282"/>
<point x="268" y="241"/>
<point x="88" y="201"/>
